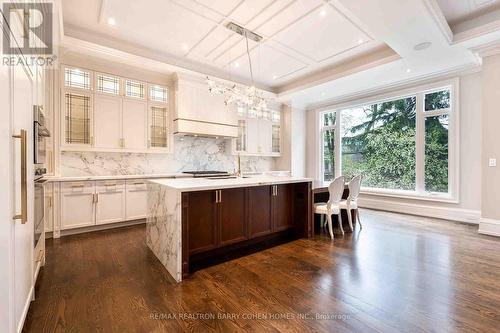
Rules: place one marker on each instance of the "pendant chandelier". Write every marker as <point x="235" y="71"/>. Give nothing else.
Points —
<point x="248" y="98"/>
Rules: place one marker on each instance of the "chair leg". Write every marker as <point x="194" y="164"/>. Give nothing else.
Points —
<point x="329" y="220"/>
<point x="322" y="221"/>
<point x="340" y="223"/>
<point x="359" y="219"/>
<point x="349" y="217"/>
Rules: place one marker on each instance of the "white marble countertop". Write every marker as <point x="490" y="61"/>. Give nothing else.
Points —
<point x="113" y="177"/>
<point x="200" y="184"/>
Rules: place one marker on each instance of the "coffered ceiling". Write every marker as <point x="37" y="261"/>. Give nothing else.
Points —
<point x="459" y="10"/>
<point x="300" y="37"/>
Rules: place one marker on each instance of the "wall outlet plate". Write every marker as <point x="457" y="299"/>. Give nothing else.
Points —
<point x="492" y="162"/>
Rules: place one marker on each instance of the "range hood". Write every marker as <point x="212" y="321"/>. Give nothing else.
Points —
<point x="201" y="113"/>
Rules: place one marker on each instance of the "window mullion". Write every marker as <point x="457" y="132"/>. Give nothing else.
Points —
<point x="420" y="144"/>
<point x="338" y="142"/>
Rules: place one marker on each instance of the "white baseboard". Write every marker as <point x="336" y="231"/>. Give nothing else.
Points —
<point x="439" y="212"/>
<point x="489" y="227"/>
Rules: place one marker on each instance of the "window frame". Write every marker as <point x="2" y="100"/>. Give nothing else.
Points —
<point x="420" y="91"/>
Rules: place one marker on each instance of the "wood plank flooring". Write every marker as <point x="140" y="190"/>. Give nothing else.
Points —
<point x="398" y="274"/>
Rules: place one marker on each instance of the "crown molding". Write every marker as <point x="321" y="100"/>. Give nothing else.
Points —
<point x="487" y="50"/>
<point x="398" y="85"/>
<point x="373" y="59"/>
<point x="476" y="32"/>
<point x="438" y="18"/>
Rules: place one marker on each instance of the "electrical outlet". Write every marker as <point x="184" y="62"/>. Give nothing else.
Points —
<point x="492" y="162"/>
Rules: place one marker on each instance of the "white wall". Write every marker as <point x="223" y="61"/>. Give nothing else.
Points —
<point x="490" y="208"/>
<point x="469" y="206"/>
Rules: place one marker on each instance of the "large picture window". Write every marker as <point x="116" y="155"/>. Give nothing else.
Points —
<point x="399" y="145"/>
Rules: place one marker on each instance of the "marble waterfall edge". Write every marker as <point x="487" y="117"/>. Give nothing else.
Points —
<point x="163" y="227"/>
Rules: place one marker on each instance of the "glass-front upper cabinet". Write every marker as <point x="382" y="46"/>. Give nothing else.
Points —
<point x="158" y="127"/>
<point x="77" y="118"/>
<point x="108" y="84"/>
<point x="135" y="89"/>
<point x="276" y="131"/>
<point x="241" y="140"/>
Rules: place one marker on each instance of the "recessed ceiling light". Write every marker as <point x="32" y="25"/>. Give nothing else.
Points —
<point x="422" y="46"/>
<point x="322" y="13"/>
<point x="275" y="77"/>
<point x="408" y="70"/>
<point x="236" y="64"/>
<point x="111" y="21"/>
<point x="360" y="41"/>
<point x="185" y="46"/>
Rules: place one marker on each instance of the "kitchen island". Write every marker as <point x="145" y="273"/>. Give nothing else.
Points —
<point x="193" y="221"/>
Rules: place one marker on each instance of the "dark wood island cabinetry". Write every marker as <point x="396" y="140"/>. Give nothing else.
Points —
<point x="218" y="225"/>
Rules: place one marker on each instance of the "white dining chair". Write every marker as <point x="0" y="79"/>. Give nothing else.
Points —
<point x="335" y="189"/>
<point x="351" y="203"/>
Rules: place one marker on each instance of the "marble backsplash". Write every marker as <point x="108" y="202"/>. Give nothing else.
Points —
<point x="190" y="153"/>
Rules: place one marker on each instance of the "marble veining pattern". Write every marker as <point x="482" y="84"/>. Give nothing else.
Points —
<point x="163" y="227"/>
<point x="190" y="153"/>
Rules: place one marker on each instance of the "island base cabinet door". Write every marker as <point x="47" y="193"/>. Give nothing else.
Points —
<point x="201" y="221"/>
<point x="282" y="207"/>
<point x="110" y="202"/>
<point x="77" y="205"/>
<point x="136" y="200"/>
<point x="259" y="211"/>
<point x="233" y="227"/>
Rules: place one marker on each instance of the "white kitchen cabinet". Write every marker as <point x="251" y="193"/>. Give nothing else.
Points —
<point x="136" y="200"/>
<point x="134" y="124"/>
<point x="107" y="121"/>
<point x="77" y="205"/>
<point x="259" y="137"/>
<point x="110" y="201"/>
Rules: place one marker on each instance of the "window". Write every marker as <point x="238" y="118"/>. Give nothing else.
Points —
<point x="134" y="89"/>
<point x="158" y="93"/>
<point x="328" y="145"/>
<point x="437" y="122"/>
<point x="76" y="78"/>
<point x="401" y="145"/>
<point x="378" y="142"/>
<point x="108" y="84"/>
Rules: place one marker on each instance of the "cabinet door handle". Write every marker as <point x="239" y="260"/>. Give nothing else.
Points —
<point x="220" y="196"/>
<point x="276" y="190"/>
<point x="97" y="197"/>
<point x="24" y="173"/>
<point x="216" y="196"/>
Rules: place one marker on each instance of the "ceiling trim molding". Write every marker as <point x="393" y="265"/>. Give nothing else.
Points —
<point x="487" y="50"/>
<point x="438" y="17"/>
<point x="419" y="80"/>
<point x="476" y="32"/>
<point x="373" y="59"/>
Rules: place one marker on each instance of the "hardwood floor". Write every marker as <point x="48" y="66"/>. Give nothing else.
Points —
<point x="398" y="274"/>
